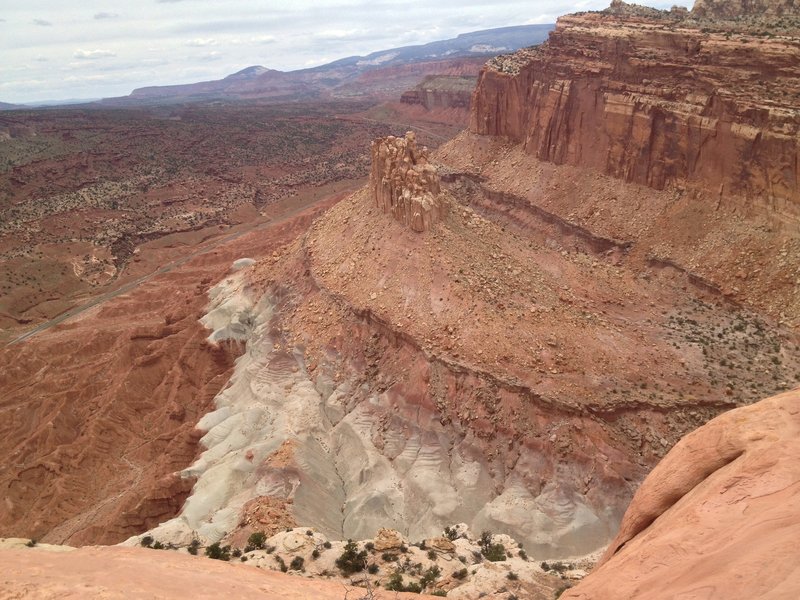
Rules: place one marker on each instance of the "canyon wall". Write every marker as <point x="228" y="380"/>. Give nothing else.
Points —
<point x="437" y="91"/>
<point x="655" y="101"/>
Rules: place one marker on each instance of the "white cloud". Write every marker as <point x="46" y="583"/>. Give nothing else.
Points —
<point x="105" y="15"/>
<point x="92" y="54"/>
<point x="200" y="42"/>
<point x="264" y="39"/>
<point x="42" y="23"/>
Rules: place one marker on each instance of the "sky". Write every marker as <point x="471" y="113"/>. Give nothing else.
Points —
<point x="80" y="49"/>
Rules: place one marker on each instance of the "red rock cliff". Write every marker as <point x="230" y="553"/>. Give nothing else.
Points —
<point x="654" y="100"/>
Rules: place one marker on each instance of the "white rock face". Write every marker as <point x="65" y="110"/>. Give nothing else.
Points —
<point x="352" y="462"/>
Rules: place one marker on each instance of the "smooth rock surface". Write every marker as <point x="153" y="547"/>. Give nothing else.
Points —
<point x="719" y="517"/>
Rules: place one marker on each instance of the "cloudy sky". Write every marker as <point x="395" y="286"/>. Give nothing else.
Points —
<point x="58" y="49"/>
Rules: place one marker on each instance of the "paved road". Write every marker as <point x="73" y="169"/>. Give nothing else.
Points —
<point x="177" y="263"/>
<point x="165" y="269"/>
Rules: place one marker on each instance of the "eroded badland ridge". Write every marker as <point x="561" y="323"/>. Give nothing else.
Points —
<point x="510" y="332"/>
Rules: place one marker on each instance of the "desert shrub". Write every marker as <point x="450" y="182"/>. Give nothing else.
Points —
<point x="431" y="575"/>
<point x="432" y="554"/>
<point x="460" y="574"/>
<point x="441" y="593"/>
<point x="523" y="555"/>
<point x="147" y="541"/>
<point x="297" y="563"/>
<point x="494" y="552"/>
<point x="218" y="552"/>
<point x="369" y="546"/>
<point x="373" y="569"/>
<point x="389" y="557"/>
<point x="257" y="540"/>
<point x="281" y="564"/>
<point x="451" y="533"/>
<point x="315" y="554"/>
<point x="327" y="545"/>
<point x="351" y="560"/>
<point x="236" y="553"/>
<point x="158" y="546"/>
<point x="512" y="576"/>
<point x="395" y="583"/>
<point x="31" y="543"/>
<point x="193" y="546"/>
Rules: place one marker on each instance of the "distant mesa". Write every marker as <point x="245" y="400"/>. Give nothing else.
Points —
<point x="404" y="183"/>
<point x="384" y="74"/>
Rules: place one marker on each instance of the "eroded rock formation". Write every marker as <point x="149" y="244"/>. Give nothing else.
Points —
<point x="654" y="100"/>
<point x="442" y="91"/>
<point x="720" y="513"/>
<point x="404" y="183"/>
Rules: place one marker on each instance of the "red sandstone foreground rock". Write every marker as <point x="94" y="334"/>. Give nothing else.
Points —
<point x="719" y="517"/>
<point x="134" y="573"/>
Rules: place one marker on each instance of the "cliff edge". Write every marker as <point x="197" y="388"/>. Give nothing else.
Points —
<point x="656" y="98"/>
<point x="717" y="518"/>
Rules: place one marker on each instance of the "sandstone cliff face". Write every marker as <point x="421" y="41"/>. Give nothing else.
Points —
<point x="442" y="92"/>
<point x="719" y="517"/>
<point x="651" y="101"/>
<point x="404" y="184"/>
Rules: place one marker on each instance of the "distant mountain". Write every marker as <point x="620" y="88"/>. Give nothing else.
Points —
<point x="381" y="74"/>
<point x="7" y="106"/>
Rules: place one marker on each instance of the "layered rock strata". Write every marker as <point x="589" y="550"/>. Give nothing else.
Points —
<point x="442" y="91"/>
<point x="404" y="183"/>
<point x="717" y="518"/>
<point x="656" y="100"/>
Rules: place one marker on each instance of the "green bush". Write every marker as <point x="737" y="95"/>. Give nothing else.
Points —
<point x="494" y="552"/>
<point x="257" y="540"/>
<point x="297" y="563"/>
<point x="218" y="552"/>
<point x="147" y="541"/>
<point x="351" y="560"/>
<point x="281" y="564"/>
<point x="451" y="533"/>
<point x="460" y="574"/>
<point x="395" y="583"/>
<point x="431" y="575"/>
<point x="432" y="554"/>
<point x="373" y="569"/>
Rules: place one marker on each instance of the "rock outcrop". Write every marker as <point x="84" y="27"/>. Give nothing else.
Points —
<point x="719" y="517"/>
<point x="731" y="9"/>
<point x="404" y="183"/>
<point x="654" y="100"/>
<point x="121" y="573"/>
<point x="442" y="91"/>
